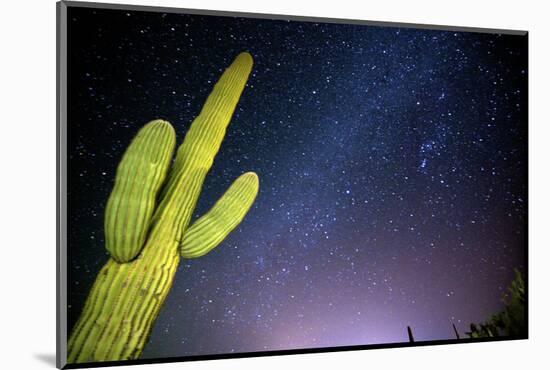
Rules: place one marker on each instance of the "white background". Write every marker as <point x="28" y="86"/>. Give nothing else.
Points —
<point x="27" y="182"/>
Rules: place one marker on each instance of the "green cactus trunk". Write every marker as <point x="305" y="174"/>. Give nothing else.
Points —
<point x="145" y="242"/>
<point x="123" y="304"/>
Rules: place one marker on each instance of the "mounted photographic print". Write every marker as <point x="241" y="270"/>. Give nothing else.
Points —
<point x="236" y="184"/>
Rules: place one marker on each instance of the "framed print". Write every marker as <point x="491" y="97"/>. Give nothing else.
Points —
<point x="235" y="184"/>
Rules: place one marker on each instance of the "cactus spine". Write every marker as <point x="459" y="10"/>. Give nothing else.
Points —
<point x="146" y="242"/>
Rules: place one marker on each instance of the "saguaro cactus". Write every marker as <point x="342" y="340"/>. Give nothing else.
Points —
<point x="146" y="239"/>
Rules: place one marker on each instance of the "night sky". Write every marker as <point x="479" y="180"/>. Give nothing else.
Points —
<point x="392" y="167"/>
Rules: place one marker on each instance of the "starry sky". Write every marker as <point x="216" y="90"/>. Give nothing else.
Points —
<point x="392" y="165"/>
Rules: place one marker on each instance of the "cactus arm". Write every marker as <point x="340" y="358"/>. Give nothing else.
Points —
<point x="228" y="212"/>
<point x="196" y="154"/>
<point x="139" y="177"/>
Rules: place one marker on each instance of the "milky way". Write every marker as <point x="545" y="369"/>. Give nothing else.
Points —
<point x="392" y="167"/>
